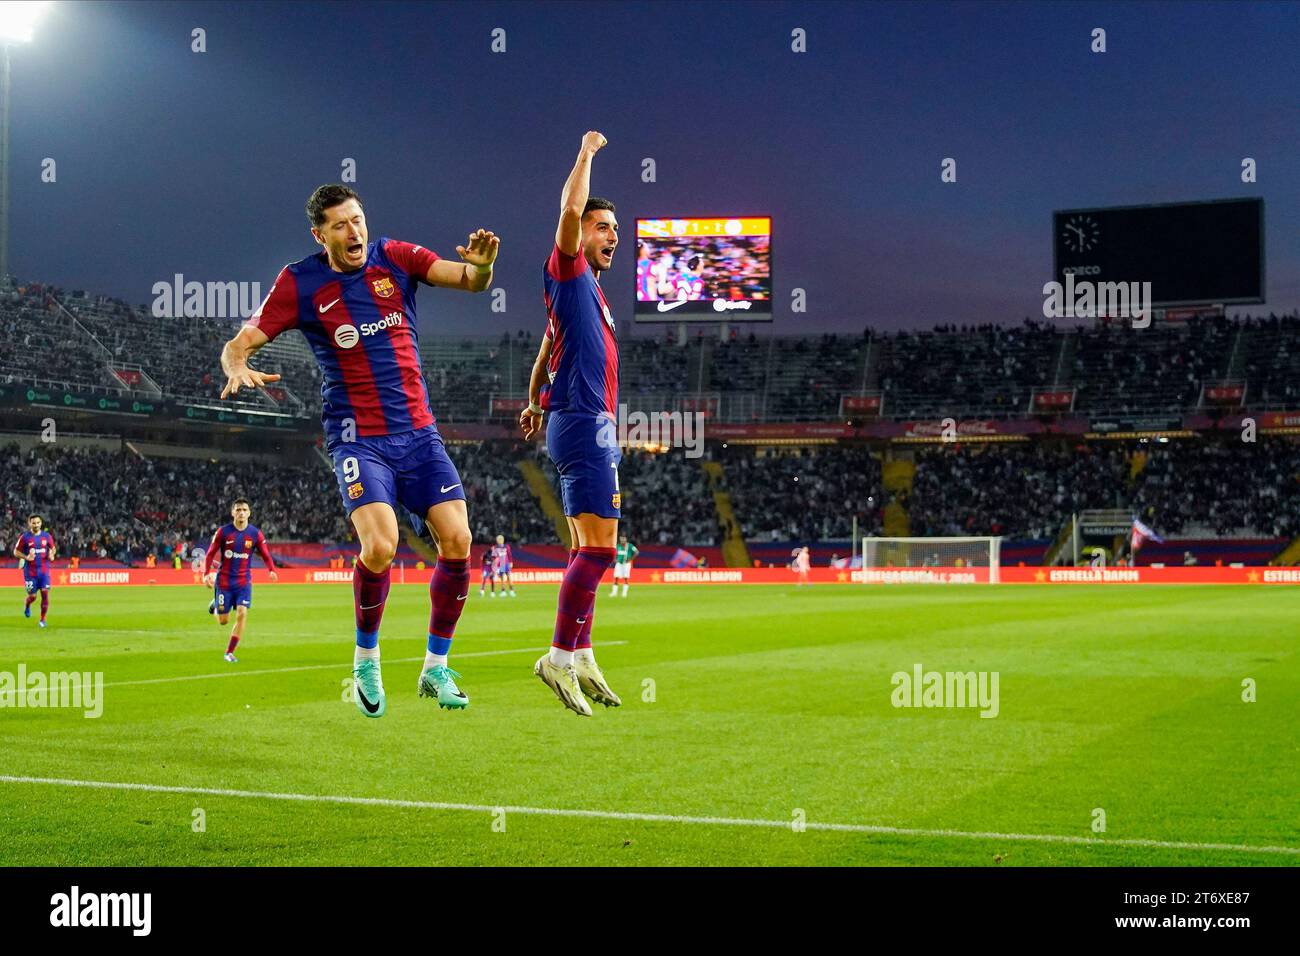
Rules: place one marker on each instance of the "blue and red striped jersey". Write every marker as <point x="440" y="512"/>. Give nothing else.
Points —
<point x="583" y="366"/>
<point x="36" y="549"/>
<point x="362" y="328"/>
<point x="501" y="555"/>
<point x="234" y="549"/>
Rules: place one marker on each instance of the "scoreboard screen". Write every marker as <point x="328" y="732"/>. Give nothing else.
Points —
<point x="1192" y="253"/>
<point x="712" y="269"/>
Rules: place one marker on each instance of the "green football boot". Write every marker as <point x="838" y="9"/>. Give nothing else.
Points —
<point x="368" y="689"/>
<point x="439" y="682"/>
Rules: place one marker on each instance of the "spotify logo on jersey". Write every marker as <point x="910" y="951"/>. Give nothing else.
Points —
<point x="346" y="336"/>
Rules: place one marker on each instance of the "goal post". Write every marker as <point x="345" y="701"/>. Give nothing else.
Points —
<point x="960" y="553"/>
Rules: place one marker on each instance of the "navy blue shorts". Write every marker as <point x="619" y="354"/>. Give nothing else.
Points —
<point x="584" y="448"/>
<point x="410" y="469"/>
<point x="230" y="598"/>
<point x="37" y="582"/>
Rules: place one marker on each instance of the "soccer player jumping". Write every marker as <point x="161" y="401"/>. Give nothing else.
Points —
<point x="232" y="547"/>
<point x="355" y="303"/>
<point x="579" y="360"/>
<point x="35" y="549"/>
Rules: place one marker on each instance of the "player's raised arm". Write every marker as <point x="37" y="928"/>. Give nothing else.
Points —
<point x="530" y="419"/>
<point x="568" y="234"/>
<point x="474" y="274"/>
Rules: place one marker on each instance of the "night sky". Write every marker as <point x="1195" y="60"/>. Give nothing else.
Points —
<point x="200" y="163"/>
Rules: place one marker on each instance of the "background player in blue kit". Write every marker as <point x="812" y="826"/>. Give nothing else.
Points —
<point x="354" y="302"/>
<point x="575" y="380"/>
<point x="232" y="549"/>
<point x="35" y="550"/>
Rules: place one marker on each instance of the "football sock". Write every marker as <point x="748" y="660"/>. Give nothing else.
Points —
<point x="624" y="590"/>
<point x="31" y="599"/>
<point x="365" y="654"/>
<point x="436" y="652"/>
<point x="577" y="597"/>
<point x="448" y="589"/>
<point x="369" y="594"/>
<point x="584" y="632"/>
<point x="234" y="642"/>
<point x="585" y="655"/>
<point x="45" y="603"/>
<point x="560" y="657"/>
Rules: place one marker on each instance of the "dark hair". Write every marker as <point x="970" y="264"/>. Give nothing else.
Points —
<point x="30" y="517"/>
<point x="594" y="203"/>
<point x="241" y="501"/>
<point x="326" y="197"/>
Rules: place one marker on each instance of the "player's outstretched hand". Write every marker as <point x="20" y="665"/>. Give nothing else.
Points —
<point x="593" y="142"/>
<point x="209" y="580"/>
<point x="482" y="251"/>
<point x="246" y="378"/>
<point x="274" y="577"/>
<point x="531" y="422"/>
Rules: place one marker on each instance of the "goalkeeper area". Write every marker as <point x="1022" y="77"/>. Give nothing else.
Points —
<point x="764" y="725"/>
<point x="977" y="559"/>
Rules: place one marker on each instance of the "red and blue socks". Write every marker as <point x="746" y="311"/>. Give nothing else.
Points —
<point x="583" y="647"/>
<point x="448" y="589"/>
<point x="577" y="601"/>
<point x="369" y="595"/>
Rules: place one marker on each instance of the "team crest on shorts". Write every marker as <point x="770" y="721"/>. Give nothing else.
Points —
<point x="383" y="286"/>
<point x="617" y="499"/>
<point x="355" y="490"/>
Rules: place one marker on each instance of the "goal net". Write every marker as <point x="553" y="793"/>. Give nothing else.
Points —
<point x="937" y="559"/>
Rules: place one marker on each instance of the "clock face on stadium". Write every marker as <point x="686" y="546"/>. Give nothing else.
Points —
<point x="1081" y="233"/>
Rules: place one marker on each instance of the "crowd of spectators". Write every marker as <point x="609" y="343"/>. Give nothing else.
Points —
<point x="117" y="505"/>
<point x="976" y="370"/>
<point x="1226" y="488"/>
<point x="666" y="500"/>
<point x="1020" y="491"/>
<point x="991" y="369"/>
<point x="806" y="494"/>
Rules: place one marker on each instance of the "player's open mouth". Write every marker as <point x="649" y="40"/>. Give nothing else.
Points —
<point x="355" y="249"/>
<point x="607" y="253"/>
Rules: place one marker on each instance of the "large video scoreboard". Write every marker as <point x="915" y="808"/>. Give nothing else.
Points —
<point x="704" y="269"/>
<point x="1192" y="253"/>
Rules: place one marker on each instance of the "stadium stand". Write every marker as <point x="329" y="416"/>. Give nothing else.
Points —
<point x="120" y="506"/>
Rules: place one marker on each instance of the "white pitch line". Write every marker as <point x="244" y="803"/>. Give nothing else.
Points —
<point x="644" y="817"/>
<point x="312" y="667"/>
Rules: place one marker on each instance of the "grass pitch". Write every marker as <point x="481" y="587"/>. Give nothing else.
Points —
<point x="758" y="705"/>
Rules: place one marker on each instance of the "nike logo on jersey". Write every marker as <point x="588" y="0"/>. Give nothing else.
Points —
<point x="669" y="306"/>
<point x="326" y="308"/>
<point x="447" y="488"/>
